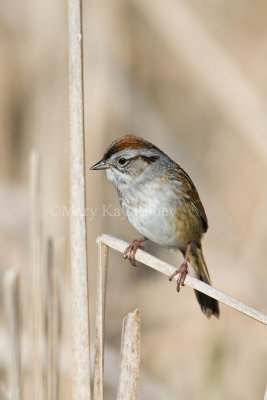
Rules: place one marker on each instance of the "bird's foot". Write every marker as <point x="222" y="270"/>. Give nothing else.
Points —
<point x="183" y="272"/>
<point x="131" y="250"/>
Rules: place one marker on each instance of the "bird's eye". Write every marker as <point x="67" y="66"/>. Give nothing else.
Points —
<point x="122" y="161"/>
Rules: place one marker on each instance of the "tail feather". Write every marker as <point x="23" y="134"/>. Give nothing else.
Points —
<point x="199" y="269"/>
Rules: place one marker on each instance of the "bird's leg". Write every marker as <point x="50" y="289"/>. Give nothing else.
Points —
<point x="182" y="270"/>
<point x="131" y="250"/>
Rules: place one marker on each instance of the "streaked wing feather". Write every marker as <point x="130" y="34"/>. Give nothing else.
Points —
<point x="190" y="192"/>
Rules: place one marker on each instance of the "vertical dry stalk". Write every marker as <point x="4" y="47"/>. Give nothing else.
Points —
<point x="12" y="318"/>
<point x="37" y="315"/>
<point x="100" y="320"/>
<point x="130" y="358"/>
<point x="265" y="396"/>
<point x="54" y="267"/>
<point x="79" y="286"/>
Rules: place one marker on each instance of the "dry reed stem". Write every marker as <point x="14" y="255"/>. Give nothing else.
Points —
<point x="37" y="314"/>
<point x="194" y="283"/>
<point x="189" y="41"/>
<point x="100" y="320"/>
<point x="265" y="396"/>
<point x="54" y="268"/>
<point x="130" y="357"/>
<point x="79" y="284"/>
<point x="12" y="317"/>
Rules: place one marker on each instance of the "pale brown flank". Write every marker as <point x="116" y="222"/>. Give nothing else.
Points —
<point x="187" y="224"/>
<point x="131" y="141"/>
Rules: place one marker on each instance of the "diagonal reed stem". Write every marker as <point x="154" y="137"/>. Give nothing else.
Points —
<point x="167" y="269"/>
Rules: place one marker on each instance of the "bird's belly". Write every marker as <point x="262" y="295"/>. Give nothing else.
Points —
<point x="154" y="221"/>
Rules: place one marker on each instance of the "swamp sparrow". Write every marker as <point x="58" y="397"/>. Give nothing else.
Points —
<point x="162" y="203"/>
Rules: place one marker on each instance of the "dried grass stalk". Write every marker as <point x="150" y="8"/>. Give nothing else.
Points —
<point x="130" y="358"/>
<point x="79" y="286"/>
<point x="37" y="309"/>
<point x="12" y="318"/>
<point x="54" y="269"/>
<point x="100" y="320"/>
<point x="167" y="269"/>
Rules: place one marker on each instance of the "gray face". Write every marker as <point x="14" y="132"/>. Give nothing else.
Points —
<point x="127" y="166"/>
<point x="131" y="166"/>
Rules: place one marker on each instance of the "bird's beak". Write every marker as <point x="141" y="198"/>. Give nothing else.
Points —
<point x="100" y="165"/>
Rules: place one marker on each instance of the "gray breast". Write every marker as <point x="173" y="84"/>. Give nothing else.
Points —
<point x="150" y="209"/>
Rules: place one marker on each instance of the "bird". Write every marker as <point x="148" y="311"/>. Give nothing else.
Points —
<point x="162" y="203"/>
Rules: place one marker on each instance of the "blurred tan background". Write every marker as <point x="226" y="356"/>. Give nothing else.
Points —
<point x="190" y="77"/>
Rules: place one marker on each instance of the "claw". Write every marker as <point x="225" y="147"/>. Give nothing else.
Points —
<point x="131" y="250"/>
<point x="183" y="272"/>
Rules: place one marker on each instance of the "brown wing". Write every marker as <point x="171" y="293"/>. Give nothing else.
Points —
<point x="190" y="193"/>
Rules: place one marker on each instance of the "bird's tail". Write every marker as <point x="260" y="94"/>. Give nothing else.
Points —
<point x="198" y="268"/>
